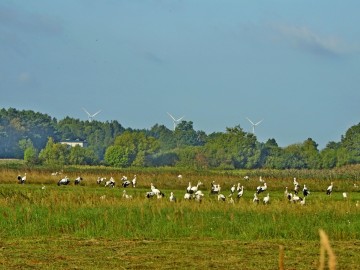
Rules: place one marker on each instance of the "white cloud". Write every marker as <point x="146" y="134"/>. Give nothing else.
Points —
<point x="304" y="38"/>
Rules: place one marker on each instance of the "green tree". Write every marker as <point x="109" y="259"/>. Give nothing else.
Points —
<point x="31" y="155"/>
<point x="137" y="143"/>
<point x="117" y="156"/>
<point x="234" y="149"/>
<point x="293" y="157"/>
<point x="328" y="155"/>
<point x="164" y="136"/>
<point x="273" y="155"/>
<point x="54" y="154"/>
<point x="311" y="154"/>
<point x="351" y="143"/>
<point x="185" y="135"/>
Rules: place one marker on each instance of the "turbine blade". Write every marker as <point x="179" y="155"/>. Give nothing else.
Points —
<point x="259" y="122"/>
<point x="87" y="112"/>
<point x="250" y="121"/>
<point x="96" y="113"/>
<point x="180" y="118"/>
<point x="171" y="116"/>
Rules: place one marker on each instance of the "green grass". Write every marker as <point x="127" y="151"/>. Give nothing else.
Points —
<point x="27" y="210"/>
<point x="93" y="227"/>
<point x="67" y="252"/>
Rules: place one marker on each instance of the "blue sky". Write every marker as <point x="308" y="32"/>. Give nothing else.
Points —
<point x="295" y="64"/>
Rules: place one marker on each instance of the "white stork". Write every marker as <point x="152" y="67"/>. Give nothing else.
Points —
<point x="110" y="183"/>
<point x="172" y="198"/>
<point x="100" y="180"/>
<point x="266" y="199"/>
<point x="241" y="192"/>
<point x="134" y="181"/>
<point x="199" y="195"/>
<point x="156" y="191"/>
<point x="305" y="191"/>
<point x="303" y="201"/>
<point x="221" y="197"/>
<point x="21" y="179"/>
<point x="78" y="180"/>
<point x="286" y="192"/>
<point x="188" y="189"/>
<point x="126" y="196"/>
<point x="256" y="199"/>
<point x="262" y="188"/>
<point x="195" y="188"/>
<point x="187" y="196"/>
<point x="232" y="189"/>
<point x="65" y="181"/>
<point x="329" y="189"/>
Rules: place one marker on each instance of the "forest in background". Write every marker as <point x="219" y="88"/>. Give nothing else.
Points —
<point x="35" y="137"/>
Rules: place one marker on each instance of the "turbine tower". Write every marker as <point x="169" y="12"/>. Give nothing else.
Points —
<point x="91" y="116"/>
<point x="253" y="125"/>
<point x="176" y="121"/>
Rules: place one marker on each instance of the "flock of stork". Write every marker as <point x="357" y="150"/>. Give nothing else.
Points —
<point x="194" y="192"/>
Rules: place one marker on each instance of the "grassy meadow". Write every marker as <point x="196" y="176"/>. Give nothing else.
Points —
<point x="45" y="226"/>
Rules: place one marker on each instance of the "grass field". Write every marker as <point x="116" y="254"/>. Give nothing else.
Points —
<point x="93" y="227"/>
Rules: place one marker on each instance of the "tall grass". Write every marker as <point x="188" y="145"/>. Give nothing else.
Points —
<point x="28" y="210"/>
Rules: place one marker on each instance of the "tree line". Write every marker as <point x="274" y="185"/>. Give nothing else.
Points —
<point x="35" y="137"/>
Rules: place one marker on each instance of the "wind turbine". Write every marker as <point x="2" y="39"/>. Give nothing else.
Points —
<point x="176" y="121"/>
<point x="253" y="125"/>
<point x="91" y="116"/>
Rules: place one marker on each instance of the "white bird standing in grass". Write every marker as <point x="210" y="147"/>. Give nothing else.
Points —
<point x="221" y="197"/>
<point x="296" y="198"/>
<point x="215" y="189"/>
<point x="303" y="201"/>
<point x="65" y="181"/>
<point x="78" y="180"/>
<point x="126" y="196"/>
<point x="149" y="194"/>
<point x="262" y="188"/>
<point x="296" y="188"/>
<point x="344" y="195"/>
<point x="126" y="183"/>
<point x="156" y="191"/>
<point x="134" y="181"/>
<point x="172" y="198"/>
<point x="110" y="183"/>
<point x="266" y="199"/>
<point x="286" y="192"/>
<point x="296" y="183"/>
<point x="231" y="200"/>
<point x="256" y="199"/>
<point x="21" y="179"/>
<point x="305" y="191"/>
<point x="232" y="189"/>
<point x="329" y="189"/>
<point x="241" y="192"/>
<point x="100" y="180"/>
<point x="195" y="188"/>
<point x="199" y="195"/>
<point x="238" y="188"/>
<point x="188" y="189"/>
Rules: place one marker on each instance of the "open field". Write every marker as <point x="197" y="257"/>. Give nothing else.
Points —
<point x="93" y="227"/>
